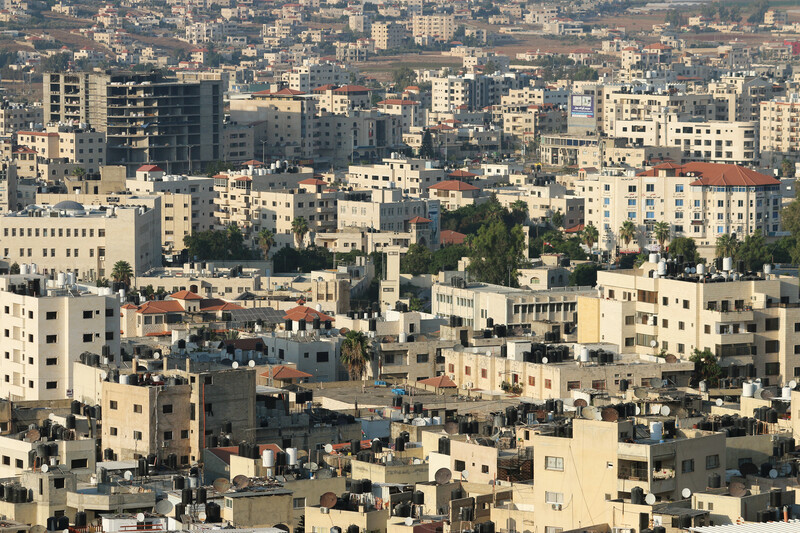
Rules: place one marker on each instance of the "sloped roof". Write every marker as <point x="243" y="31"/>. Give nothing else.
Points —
<point x="282" y="372"/>
<point x="460" y="173"/>
<point x="185" y="295"/>
<point x="440" y="382"/>
<point x="448" y="236"/>
<point x="216" y="304"/>
<point x="313" y="181"/>
<point x="303" y="312"/>
<point x="453" y="185"/>
<point x="155" y="307"/>
<point x="716" y="174"/>
<point x="149" y="168"/>
<point x="419" y="220"/>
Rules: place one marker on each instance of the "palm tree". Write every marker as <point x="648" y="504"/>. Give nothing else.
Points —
<point x="356" y="354"/>
<point x="299" y="228"/>
<point x="590" y="235"/>
<point x="122" y="272"/>
<point x="627" y="232"/>
<point x="661" y="231"/>
<point x="519" y="205"/>
<point x="266" y="239"/>
<point x="727" y="245"/>
<point x="556" y="218"/>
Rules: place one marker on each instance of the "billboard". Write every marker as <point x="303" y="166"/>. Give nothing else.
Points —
<point x="581" y="105"/>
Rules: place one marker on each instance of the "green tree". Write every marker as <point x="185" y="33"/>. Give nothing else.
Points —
<point x="447" y="258"/>
<point x="300" y="229"/>
<point x="122" y="272"/>
<point x="753" y="251"/>
<point x="426" y="150"/>
<point x="403" y="77"/>
<point x="584" y="275"/>
<point x="627" y="232"/>
<point x="519" y="211"/>
<point x="416" y="261"/>
<point x="585" y="73"/>
<point x="674" y="18"/>
<point x="556" y="218"/>
<point x="787" y="168"/>
<point x="706" y="367"/>
<point x="589" y="235"/>
<point x="661" y="231"/>
<point x="757" y="16"/>
<point x="497" y="253"/>
<point x="355" y="354"/>
<point x="727" y="245"/>
<point x="235" y="242"/>
<point x="289" y="259"/>
<point x="266" y="240"/>
<point x="686" y="247"/>
<point x="14" y="268"/>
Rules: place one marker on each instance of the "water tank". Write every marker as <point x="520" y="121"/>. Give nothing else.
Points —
<point x="727" y="264"/>
<point x="80" y="519"/>
<point x="714" y="481"/>
<point x="748" y="389"/>
<point x="213" y="514"/>
<point x="662" y="268"/>
<point x="418" y="497"/>
<point x="701" y="269"/>
<point x="178" y="483"/>
<point x="775" y="498"/>
<point x="656" y="431"/>
<point x="623" y="385"/>
<point x="75" y="407"/>
<point x="786" y="393"/>
<point x="403" y="337"/>
<point x="767" y="269"/>
<point x="637" y="496"/>
<point x="70" y="421"/>
<point x="291" y="454"/>
<point x="186" y="496"/>
<point x="201" y="495"/>
<point x="268" y="458"/>
<point x="652" y="258"/>
<point x="585" y="358"/>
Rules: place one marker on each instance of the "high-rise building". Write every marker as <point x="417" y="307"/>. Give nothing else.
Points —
<point x="147" y="118"/>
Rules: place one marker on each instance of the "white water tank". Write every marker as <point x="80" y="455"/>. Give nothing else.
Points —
<point x="701" y="269"/>
<point x="767" y="269"/>
<point x="23" y="269"/>
<point x="291" y="456"/>
<point x="34" y="268"/>
<point x="62" y="279"/>
<point x="436" y="420"/>
<point x="403" y="336"/>
<point x="662" y="268"/>
<point x="268" y="458"/>
<point x="585" y="355"/>
<point x="748" y="389"/>
<point x="727" y="264"/>
<point x="653" y="258"/>
<point x="786" y="393"/>
<point x="656" y="431"/>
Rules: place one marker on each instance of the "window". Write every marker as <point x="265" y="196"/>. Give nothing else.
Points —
<point x="166" y="408"/>
<point x="52" y="385"/>
<point x="51" y="339"/>
<point x="298" y="503"/>
<point x="484" y="373"/>
<point x="167" y="435"/>
<point x="531" y="381"/>
<point x="137" y="435"/>
<point x="88" y="314"/>
<point x="681" y="325"/>
<point x="678" y="188"/>
<point x="629" y="320"/>
<point x="553" y="497"/>
<point x="53" y="315"/>
<point x="599" y="384"/>
<point x="712" y="461"/>
<point x="686" y="304"/>
<point x="459" y="465"/>
<point x="772" y="324"/>
<point x="772" y="369"/>
<point x="113" y="431"/>
<point x="554" y="463"/>
<point x="467" y="370"/>
<point x="422" y="358"/>
<point x="322" y="357"/>
<point x="137" y="408"/>
<point x="687" y="466"/>
<point x="772" y="347"/>
<point x="548" y="384"/>
<point x="184" y="433"/>
<point x="87" y="337"/>
<point x="79" y="463"/>
<point x="484" y="469"/>
<point x="112" y="404"/>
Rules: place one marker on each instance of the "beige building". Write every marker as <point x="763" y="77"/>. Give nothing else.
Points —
<point x="69" y="237"/>
<point x="779" y="127"/>
<point x="46" y="331"/>
<point x="309" y="76"/>
<point x="699" y="200"/>
<point x="544" y="199"/>
<point x="741" y="322"/>
<point x="342" y="100"/>
<point x="739" y="97"/>
<point x="84" y="147"/>
<point x="433" y="27"/>
<point x="387" y="35"/>
<point x="410" y="111"/>
<point x="15" y="117"/>
<point x="387" y="210"/>
<point x="412" y="176"/>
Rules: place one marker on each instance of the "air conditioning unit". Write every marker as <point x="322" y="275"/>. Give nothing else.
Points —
<point x="556" y="506"/>
<point x="451" y="376"/>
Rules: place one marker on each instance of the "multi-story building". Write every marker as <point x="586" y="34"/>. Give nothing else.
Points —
<point x="699" y="140"/>
<point x="306" y="77"/>
<point x="742" y="322"/>
<point x="387" y="210"/>
<point x="358" y="135"/>
<point x="342" y="100"/>
<point x="780" y="131"/>
<point x="15" y="117"/>
<point x="387" y="35"/>
<point x="620" y="103"/>
<point x="412" y="176"/>
<point x="68" y="237"/>
<point x="543" y="198"/>
<point x="45" y="332"/>
<point x="84" y="147"/>
<point x="739" y="97"/>
<point x="206" y="32"/>
<point x="147" y="118"/>
<point x="409" y="111"/>
<point x="698" y="200"/>
<point x="433" y="27"/>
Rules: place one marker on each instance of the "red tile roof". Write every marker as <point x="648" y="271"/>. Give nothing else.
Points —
<point x="303" y="312"/>
<point x="215" y="304"/>
<point x="282" y="372"/>
<point x="453" y="185"/>
<point x="419" y="220"/>
<point x="185" y="295"/>
<point x="461" y="174"/>
<point x="313" y="181"/>
<point x="352" y="89"/>
<point x="149" y="168"/>
<point x="448" y="236"/>
<point x="157" y="307"/>
<point x="715" y="174"/>
<point x="398" y="101"/>
<point x="440" y="382"/>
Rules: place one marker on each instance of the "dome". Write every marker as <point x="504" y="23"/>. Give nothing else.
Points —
<point x="68" y="205"/>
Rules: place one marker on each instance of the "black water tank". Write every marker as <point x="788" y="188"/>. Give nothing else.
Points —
<point x="355" y="446"/>
<point x="287" y="324"/>
<point x="315" y="323"/>
<point x="367" y="484"/>
<point x="418" y="497"/>
<point x="352" y="528"/>
<point x="62" y="523"/>
<point x="301" y="325"/>
<point x="637" y="496"/>
<point x="178" y="483"/>
<point x="356" y="487"/>
<point x="75" y="407"/>
<point x="444" y="445"/>
<point x="373" y="324"/>
<point x="186" y="496"/>
<point x="80" y="519"/>
<point x="213" y="514"/>
<point x="377" y="446"/>
<point x="623" y="385"/>
<point x="714" y="481"/>
<point x="201" y="495"/>
<point x="70" y="421"/>
<point x="775" y="498"/>
<point x="399" y="444"/>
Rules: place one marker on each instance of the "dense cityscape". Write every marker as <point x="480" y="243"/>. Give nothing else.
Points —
<point x="399" y="266"/>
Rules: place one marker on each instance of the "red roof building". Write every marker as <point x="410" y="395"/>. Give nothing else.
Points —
<point x="303" y="312"/>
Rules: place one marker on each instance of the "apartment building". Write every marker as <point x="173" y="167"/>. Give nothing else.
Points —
<point x="780" y="131"/>
<point x="387" y="35"/>
<point x="86" y="241"/>
<point x="8" y="187"/>
<point x="45" y="332"/>
<point x="711" y="141"/>
<point x="84" y="147"/>
<point x="359" y="135"/>
<point x="16" y="116"/>
<point x="342" y="100"/>
<point x="623" y="104"/>
<point x="524" y="124"/>
<point x="477" y="302"/>
<point x="739" y="97"/>
<point x="388" y="210"/>
<point x="186" y="135"/>
<point x="527" y="96"/>
<point x="613" y="458"/>
<point x="455" y="193"/>
<point x="698" y="200"/>
<point x="742" y="321"/>
<point x="412" y="176"/>
<point x="410" y="112"/>
<point x="206" y="32"/>
<point x="485" y="368"/>
<point x="544" y="198"/>
<point x="144" y="416"/>
<point x="309" y="76"/>
<point x="252" y="209"/>
<point x="283" y="122"/>
<point x="433" y="27"/>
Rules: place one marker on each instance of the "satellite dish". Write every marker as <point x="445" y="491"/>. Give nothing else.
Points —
<point x="793" y="384"/>
<point x="202" y="515"/>
<point x="609" y="414"/>
<point x="251" y="363"/>
<point x="640" y="393"/>
<point x="128" y="475"/>
<point x="737" y="489"/>
<point x="589" y="413"/>
<point x="33" y="435"/>
<point x="156" y="355"/>
<point x="328" y="448"/>
<point x="748" y="469"/>
<point x="664" y="410"/>
<point x="464" y="474"/>
<point x="786" y="469"/>
<point x="241" y="481"/>
<point x="686" y="493"/>
<point x="719" y="402"/>
<point x="220" y="485"/>
<point x="656" y="383"/>
<point x="442" y="476"/>
<point x="409" y="521"/>
<point x="328" y="500"/>
<point x="580" y="402"/>
<point x="653" y="344"/>
<point x="766" y="394"/>
<point x="671" y="359"/>
<point x="637" y="410"/>
<point x="545" y="360"/>
<point x="451" y="428"/>
<point x="164" y="507"/>
<point x="235" y="365"/>
<point x="140" y="517"/>
<point x="45" y="468"/>
<point x="773" y="473"/>
<point x="650" y="499"/>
